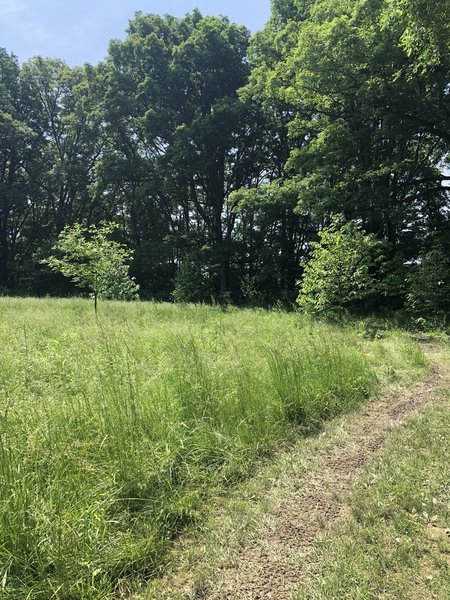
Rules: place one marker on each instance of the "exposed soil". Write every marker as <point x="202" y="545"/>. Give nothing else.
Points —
<point x="278" y="562"/>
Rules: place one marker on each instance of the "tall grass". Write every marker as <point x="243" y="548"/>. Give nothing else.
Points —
<point x="114" y="431"/>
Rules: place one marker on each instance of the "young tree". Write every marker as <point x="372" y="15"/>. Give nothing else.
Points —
<point x="94" y="262"/>
<point x="339" y="271"/>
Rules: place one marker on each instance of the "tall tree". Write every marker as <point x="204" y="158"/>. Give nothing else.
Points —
<point x="175" y="116"/>
<point x="357" y="143"/>
<point x="18" y="144"/>
<point x="68" y="126"/>
<point x="68" y="123"/>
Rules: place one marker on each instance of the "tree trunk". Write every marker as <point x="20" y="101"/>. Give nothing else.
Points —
<point x="4" y="255"/>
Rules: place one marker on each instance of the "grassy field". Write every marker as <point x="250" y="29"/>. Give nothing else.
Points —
<point x="115" y="431"/>
<point x="395" y="543"/>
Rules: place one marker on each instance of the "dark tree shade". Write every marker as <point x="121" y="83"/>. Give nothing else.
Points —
<point x="222" y="156"/>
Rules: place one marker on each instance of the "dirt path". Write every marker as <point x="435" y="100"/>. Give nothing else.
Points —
<point x="276" y="564"/>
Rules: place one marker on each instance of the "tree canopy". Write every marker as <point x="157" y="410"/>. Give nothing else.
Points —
<point x="222" y="156"/>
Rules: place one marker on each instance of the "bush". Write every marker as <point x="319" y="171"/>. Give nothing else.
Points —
<point x="192" y="282"/>
<point x="340" y="270"/>
<point x="429" y="285"/>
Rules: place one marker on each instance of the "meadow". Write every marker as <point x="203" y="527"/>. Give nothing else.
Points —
<point x="116" y="430"/>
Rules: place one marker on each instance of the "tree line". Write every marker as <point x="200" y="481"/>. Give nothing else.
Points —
<point x="222" y="157"/>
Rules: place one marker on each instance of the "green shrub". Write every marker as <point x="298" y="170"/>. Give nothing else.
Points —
<point x="339" y="271"/>
<point x="193" y="282"/>
<point x="94" y="262"/>
<point x="429" y="285"/>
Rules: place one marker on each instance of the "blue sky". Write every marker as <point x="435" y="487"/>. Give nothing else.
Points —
<point x="78" y="31"/>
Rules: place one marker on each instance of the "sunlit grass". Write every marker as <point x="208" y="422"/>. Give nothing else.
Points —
<point x="114" y="431"/>
<point x="395" y="541"/>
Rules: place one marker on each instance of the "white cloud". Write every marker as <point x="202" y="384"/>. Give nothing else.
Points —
<point x="19" y="18"/>
<point x="10" y="8"/>
<point x="31" y="31"/>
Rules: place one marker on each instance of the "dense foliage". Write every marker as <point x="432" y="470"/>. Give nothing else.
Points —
<point x="341" y="269"/>
<point x="223" y="156"/>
